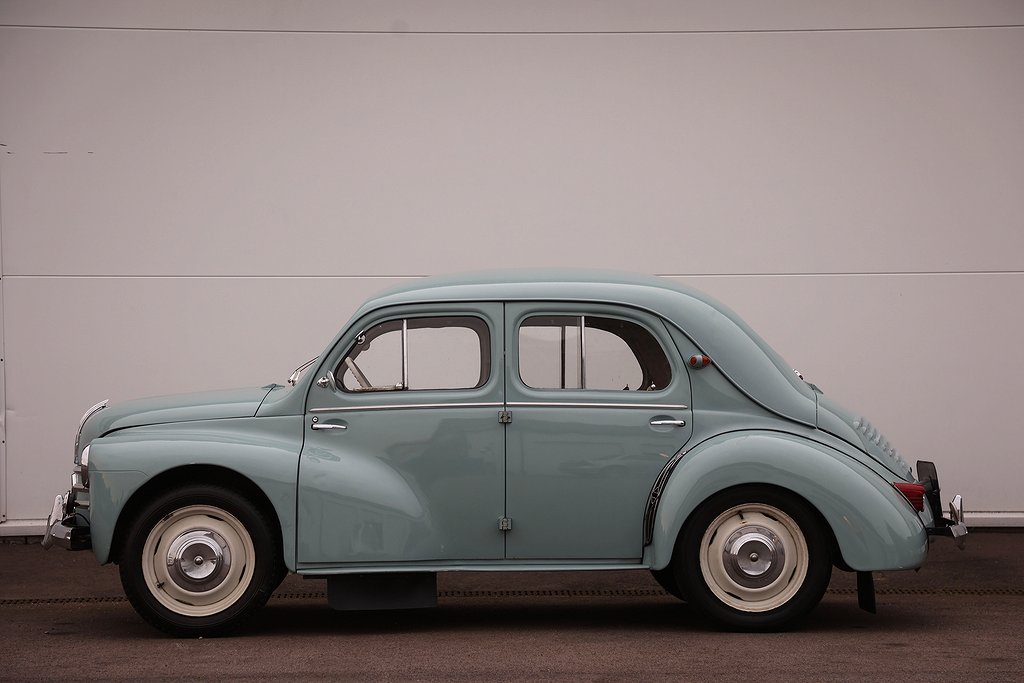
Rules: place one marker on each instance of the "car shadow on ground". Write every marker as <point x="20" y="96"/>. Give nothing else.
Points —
<point x="286" y="617"/>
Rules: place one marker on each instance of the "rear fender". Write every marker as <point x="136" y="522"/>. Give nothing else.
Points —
<point x="874" y="527"/>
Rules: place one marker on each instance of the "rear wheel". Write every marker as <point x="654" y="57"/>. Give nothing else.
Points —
<point x="754" y="558"/>
<point x="199" y="561"/>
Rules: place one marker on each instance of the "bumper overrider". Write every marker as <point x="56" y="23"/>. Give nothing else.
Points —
<point x="953" y="525"/>
<point x="66" y="526"/>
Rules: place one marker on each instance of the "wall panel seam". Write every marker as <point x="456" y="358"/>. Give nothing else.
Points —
<point x="399" y="276"/>
<point x="867" y="29"/>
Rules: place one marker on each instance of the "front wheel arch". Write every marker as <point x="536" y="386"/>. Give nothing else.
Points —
<point x="199" y="560"/>
<point x="191" y="474"/>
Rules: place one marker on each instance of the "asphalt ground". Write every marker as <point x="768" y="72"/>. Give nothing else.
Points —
<point x="961" y="618"/>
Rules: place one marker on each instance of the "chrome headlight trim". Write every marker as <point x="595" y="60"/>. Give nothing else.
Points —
<point x="83" y="469"/>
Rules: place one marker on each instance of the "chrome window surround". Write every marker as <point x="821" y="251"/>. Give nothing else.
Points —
<point x="405" y="359"/>
<point x="582" y="345"/>
<point x="583" y="352"/>
<point x="405" y="353"/>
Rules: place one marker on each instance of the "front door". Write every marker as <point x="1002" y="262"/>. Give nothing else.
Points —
<point x="403" y="459"/>
<point x="599" y="403"/>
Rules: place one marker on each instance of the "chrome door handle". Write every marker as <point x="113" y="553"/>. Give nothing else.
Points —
<point x="317" y="425"/>
<point x="668" y="423"/>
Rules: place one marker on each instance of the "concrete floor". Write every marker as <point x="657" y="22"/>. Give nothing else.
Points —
<point x="62" y="617"/>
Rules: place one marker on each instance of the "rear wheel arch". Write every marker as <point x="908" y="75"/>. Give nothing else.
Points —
<point x="870" y="528"/>
<point x="754" y="557"/>
<point x="835" y="552"/>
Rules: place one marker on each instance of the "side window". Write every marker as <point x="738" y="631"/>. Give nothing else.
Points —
<point x="590" y="352"/>
<point x="450" y="352"/>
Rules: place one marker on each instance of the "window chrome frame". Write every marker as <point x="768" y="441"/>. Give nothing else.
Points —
<point x="581" y="321"/>
<point x="403" y="384"/>
<point x="583" y="351"/>
<point x="405" y="353"/>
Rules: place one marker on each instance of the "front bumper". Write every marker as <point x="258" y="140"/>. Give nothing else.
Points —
<point x="953" y="525"/>
<point x="66" y="527"/>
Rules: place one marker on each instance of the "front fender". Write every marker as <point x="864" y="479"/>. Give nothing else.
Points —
<point x="263" y="450"/>
<point x="874" y="527"/>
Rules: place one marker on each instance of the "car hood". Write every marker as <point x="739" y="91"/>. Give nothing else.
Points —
<point x="207" y="405"/>
<point x="858" y="432"/>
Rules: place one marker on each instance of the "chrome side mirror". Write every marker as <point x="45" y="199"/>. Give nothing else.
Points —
<point x="327" y="381"/>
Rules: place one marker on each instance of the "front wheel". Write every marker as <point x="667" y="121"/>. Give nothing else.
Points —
<point x="666" y="578"/>
<point x="754" y="559"/>
<point x="199" y="560"/>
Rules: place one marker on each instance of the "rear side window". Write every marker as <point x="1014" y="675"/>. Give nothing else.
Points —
<point x="448" y="352"/>
<point x="590" y="352"/>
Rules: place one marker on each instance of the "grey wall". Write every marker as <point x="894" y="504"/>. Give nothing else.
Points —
<point x="196" y="195"/>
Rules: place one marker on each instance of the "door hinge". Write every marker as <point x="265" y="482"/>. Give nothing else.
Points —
<point x="505" y="417"/>
<point x="505" y="524"/>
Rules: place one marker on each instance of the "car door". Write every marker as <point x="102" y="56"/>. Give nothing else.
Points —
<point x="403" y="457"/>
<point x="598" y="400"/>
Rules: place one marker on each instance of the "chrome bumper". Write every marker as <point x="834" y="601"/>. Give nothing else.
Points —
<point x="63" y="527"/>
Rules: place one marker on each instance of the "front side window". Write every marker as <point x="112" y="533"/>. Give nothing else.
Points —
<point x="590" y="352"/>
<point x="449" y="352"/>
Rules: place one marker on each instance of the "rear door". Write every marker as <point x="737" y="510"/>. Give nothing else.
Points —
<point x="599" y="402"/>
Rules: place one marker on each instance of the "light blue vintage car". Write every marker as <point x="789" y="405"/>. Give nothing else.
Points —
<point x="503" y="421"/>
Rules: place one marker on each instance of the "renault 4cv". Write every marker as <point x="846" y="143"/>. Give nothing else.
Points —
<point x="524" y="421"/>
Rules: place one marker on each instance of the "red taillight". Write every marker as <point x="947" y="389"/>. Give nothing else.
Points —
<point x="914" y="493"/>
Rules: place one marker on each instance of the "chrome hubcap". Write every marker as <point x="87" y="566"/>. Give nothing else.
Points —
<point x="753" y="556"/>
<point x="198" y="560"/>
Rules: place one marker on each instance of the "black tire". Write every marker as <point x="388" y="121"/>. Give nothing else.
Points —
<point x="754" y="558"/>
<point x="666" y="578"/>
<point x="225" y="561"/>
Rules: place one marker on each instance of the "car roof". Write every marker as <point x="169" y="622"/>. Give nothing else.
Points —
<point x="736" y="349"/>
<point x="516" y="283"/>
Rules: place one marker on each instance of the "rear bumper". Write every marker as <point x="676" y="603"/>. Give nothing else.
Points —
<point x="65" y="527"/>
<point x="952" y="526"/>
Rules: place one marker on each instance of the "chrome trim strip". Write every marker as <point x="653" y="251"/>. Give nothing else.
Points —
<point x="487" y="404"/>
<point x="654" y="497"/>
<point x="315" y="569"/>
<point x="404" y="406"/>
<point x="89" y="413"/>
<point x="81" y="424"/>
<point x="554" y="404"/>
